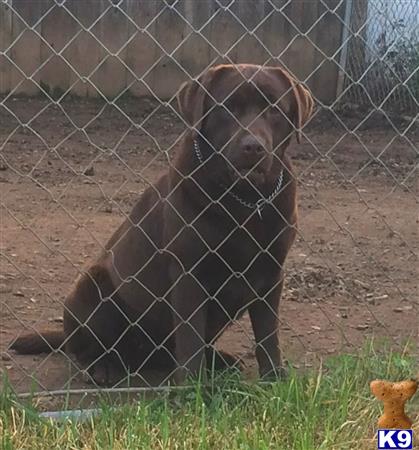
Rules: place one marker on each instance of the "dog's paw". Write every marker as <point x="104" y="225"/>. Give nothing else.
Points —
<point x="218" y="360"/>
<point x="274" y="373"/>
<point x="103" y="374"/>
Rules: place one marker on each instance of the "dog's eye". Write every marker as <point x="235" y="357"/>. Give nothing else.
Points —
<point x="232" y="107"/>
<point x="274" y="111"/>
<point x="233" y="110"/>
<point x="223" y="110"/>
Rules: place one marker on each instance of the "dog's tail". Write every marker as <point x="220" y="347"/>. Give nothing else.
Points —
<point x="40" y="342"/>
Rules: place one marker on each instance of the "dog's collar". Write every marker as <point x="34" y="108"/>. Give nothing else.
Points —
<point x="258" y="205"/>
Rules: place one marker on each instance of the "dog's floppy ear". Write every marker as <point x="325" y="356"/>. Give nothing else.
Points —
<point x="303" y="106"/>
<point x="191" y="98"/>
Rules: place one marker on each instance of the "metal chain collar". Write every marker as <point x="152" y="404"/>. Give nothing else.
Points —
<point x="262" y="202"/>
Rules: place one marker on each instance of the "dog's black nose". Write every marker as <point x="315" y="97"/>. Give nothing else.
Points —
<point x="251" y="145"/>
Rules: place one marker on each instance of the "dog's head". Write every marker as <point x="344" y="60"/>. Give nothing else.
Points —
<point x="245" y="115"/>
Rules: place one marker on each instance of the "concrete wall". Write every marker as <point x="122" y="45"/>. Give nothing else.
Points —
<point x="91" y="48"/>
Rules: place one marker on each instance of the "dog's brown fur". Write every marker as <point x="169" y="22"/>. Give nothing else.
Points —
<point x="190" y="258"/>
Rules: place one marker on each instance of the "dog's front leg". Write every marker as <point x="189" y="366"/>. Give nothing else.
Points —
<point x="264" y="317"/>
<point x="189" y="311"/>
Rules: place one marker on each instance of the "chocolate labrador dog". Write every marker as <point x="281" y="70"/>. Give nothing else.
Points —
<point x="204" y="244"/>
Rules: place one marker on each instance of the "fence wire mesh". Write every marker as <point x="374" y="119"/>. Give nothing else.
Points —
<point x="89" y="120"/>
<point x="383" y="57"/>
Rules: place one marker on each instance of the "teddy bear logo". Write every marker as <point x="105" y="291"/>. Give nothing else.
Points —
<point x="394" y="397"/>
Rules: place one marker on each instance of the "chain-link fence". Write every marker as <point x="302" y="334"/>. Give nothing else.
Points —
<point x="93" y="110"/>
<point x="383" y="57"/>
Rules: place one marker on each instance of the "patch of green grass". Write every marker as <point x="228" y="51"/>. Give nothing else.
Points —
<point x="330" y="408"/>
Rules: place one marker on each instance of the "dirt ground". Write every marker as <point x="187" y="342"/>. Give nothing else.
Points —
<point x="70" y="175"/>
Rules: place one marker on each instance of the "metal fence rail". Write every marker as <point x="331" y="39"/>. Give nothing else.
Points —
<point x="343" y="284"/>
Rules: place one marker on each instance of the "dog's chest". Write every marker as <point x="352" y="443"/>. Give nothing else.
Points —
<point x="242" y="245"/>
<point x="245" y="259"/>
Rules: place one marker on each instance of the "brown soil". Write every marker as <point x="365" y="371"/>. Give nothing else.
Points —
<point x="352" y="273"/>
